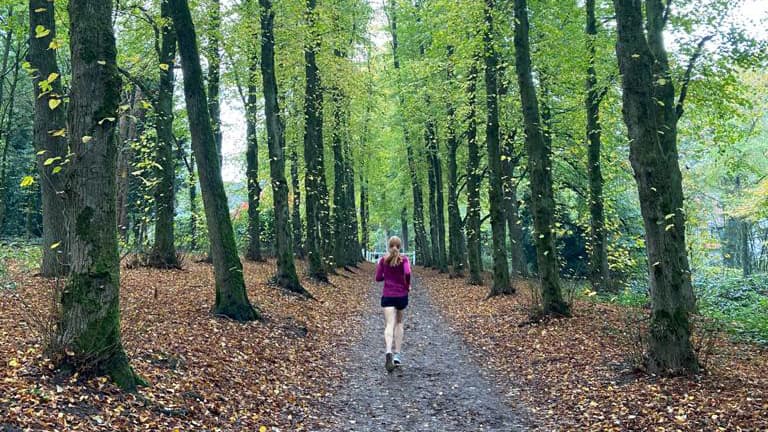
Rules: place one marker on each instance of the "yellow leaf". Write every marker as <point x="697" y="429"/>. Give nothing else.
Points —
<point x="86" y="139"/>
<point x="53" y="103"/>
<point x="109" y="119"/>
<point x="262" y="429"/>
<point x="54" y="45"/>
<point x="58" y="133"/>
<point x="55" y="245"/>
<point x="52" y="77"/>
<point x="164" y="66"/>
<point x="15" y="363"/>
<point x="27" y="181"/>
<point x="101" y="62"/>
<point x="40" y="10"/>
<point x="41" y="32"/>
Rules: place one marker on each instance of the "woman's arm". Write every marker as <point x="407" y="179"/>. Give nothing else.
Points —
<point x="380" y="271"/>
<point x="407" y="271"/>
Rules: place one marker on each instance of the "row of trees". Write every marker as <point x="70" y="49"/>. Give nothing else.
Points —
<point x="523" y="124"/>
<point x="314" y="88"/>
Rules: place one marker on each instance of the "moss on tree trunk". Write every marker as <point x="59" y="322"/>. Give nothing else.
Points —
<point x="89" y="326"/>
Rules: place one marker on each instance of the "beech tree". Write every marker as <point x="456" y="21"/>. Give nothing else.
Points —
<point x="231" y="297"/>
<point x="651" y="114"/>
<point x="89" y="324"/>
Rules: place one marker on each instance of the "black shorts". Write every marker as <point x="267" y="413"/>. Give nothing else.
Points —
<point x="398" y="303"/>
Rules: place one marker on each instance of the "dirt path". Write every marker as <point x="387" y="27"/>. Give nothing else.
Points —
<point x="438" y="388"/>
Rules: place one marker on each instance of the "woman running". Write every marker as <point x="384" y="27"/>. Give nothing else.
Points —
<point x="395" y="270"/>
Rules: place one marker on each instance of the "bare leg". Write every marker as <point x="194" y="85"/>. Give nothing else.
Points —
<point x="389" y="329"/>
<point x="399" y="316"/>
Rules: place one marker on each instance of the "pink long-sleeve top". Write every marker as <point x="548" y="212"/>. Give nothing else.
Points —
<point x="397" y="279"/>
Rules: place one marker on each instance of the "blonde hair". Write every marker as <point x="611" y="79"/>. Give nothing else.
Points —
<point x="394" y="258"/>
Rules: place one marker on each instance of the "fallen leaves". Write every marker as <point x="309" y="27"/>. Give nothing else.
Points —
<point x="205" y="373"/>
<point x="573" y="374"/>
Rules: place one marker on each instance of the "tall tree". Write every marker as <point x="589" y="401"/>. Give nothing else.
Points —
<point x="231" y="297"/>
<point x="49" y="133"/>
<point x="651" y="114"/>
<point x="213" y="56"/>
<point x="286" y="269"/>
<point x="316" y="207"/>
<point x="509" y="162"/>
<point x="456" y="246"/>
<point x="423" y="254"/>
<point x="298" y="235"/>
<point x="163" y="253"/>
<point x="89" y="323"/>
<point x="540" y="168"/>
<point x="474" y="179"/>
<point x="252" y="159"/>
<point x="501" y="284"/>
<point x="598" y="259"/>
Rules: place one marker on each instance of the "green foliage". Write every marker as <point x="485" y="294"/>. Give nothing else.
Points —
<point x="740" y="303"/>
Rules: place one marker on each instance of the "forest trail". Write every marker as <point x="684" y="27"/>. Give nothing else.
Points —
<point x="438" y="388"/>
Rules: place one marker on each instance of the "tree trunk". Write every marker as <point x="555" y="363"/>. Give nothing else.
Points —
<point x="163" y="253"/>
<point x="126" y="129"/>
<point x="286" y="269"/>
<point x="455" y="228"/>
<point x="423" y="255"/>
<point x="89" y="324"/>
<point x="404" y="228"/>
<point x="509" y="161"/>
<point x="436" y="200"/>
<point x="746" y="250"/>
<point x="298" y="234"/>
<point x="213" y="57"/>
<point x="5" y="127"/>
<point x="49" y="136"/>
<point x="598" y="260"/>
<point x="314" y="160"/>
<point x="339" y="183"/>
<point x="231" y="297"/>
<point x="501" y="283"/>
<point x="192" y="202"/>
<point x="364" y="236"/>
<point x="252" y="161"/>
<point x="540" y="164"/>
<point x="652" y="130"/>
<point x="474" y="179"/>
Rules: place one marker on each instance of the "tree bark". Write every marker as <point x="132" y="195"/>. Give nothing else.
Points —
<point x="231" y="297"/>
<point x="298" y="235"/>
<point x="252" y="162"/>
<point x="214" y="73"/>
<point x="456" y="245"/>
<point x="49" y="136"/>
<point x="652" y="130"/>
<point x="474" y="179"/>
<point x="89" y="323"/>
<point x="509" y="161"/>
<point x="286" y="269"/>
<point x="598" y="260"/>
<point x="540" y="165"/>
<point x="314" y="160"/>
<point x="501" y="284"/>
<point x="163" y="253"/>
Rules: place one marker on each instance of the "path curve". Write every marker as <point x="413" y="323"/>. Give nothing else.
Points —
<point x="438" y="388"/>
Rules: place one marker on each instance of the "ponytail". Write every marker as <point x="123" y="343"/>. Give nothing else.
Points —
<point x="394" y="258"/>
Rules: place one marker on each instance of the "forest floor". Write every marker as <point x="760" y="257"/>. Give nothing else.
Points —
<point x="469" y="364"/>
<point x="578" y="374"/>
<point x="438" y="388"/>
<point x="205" y="373"/>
